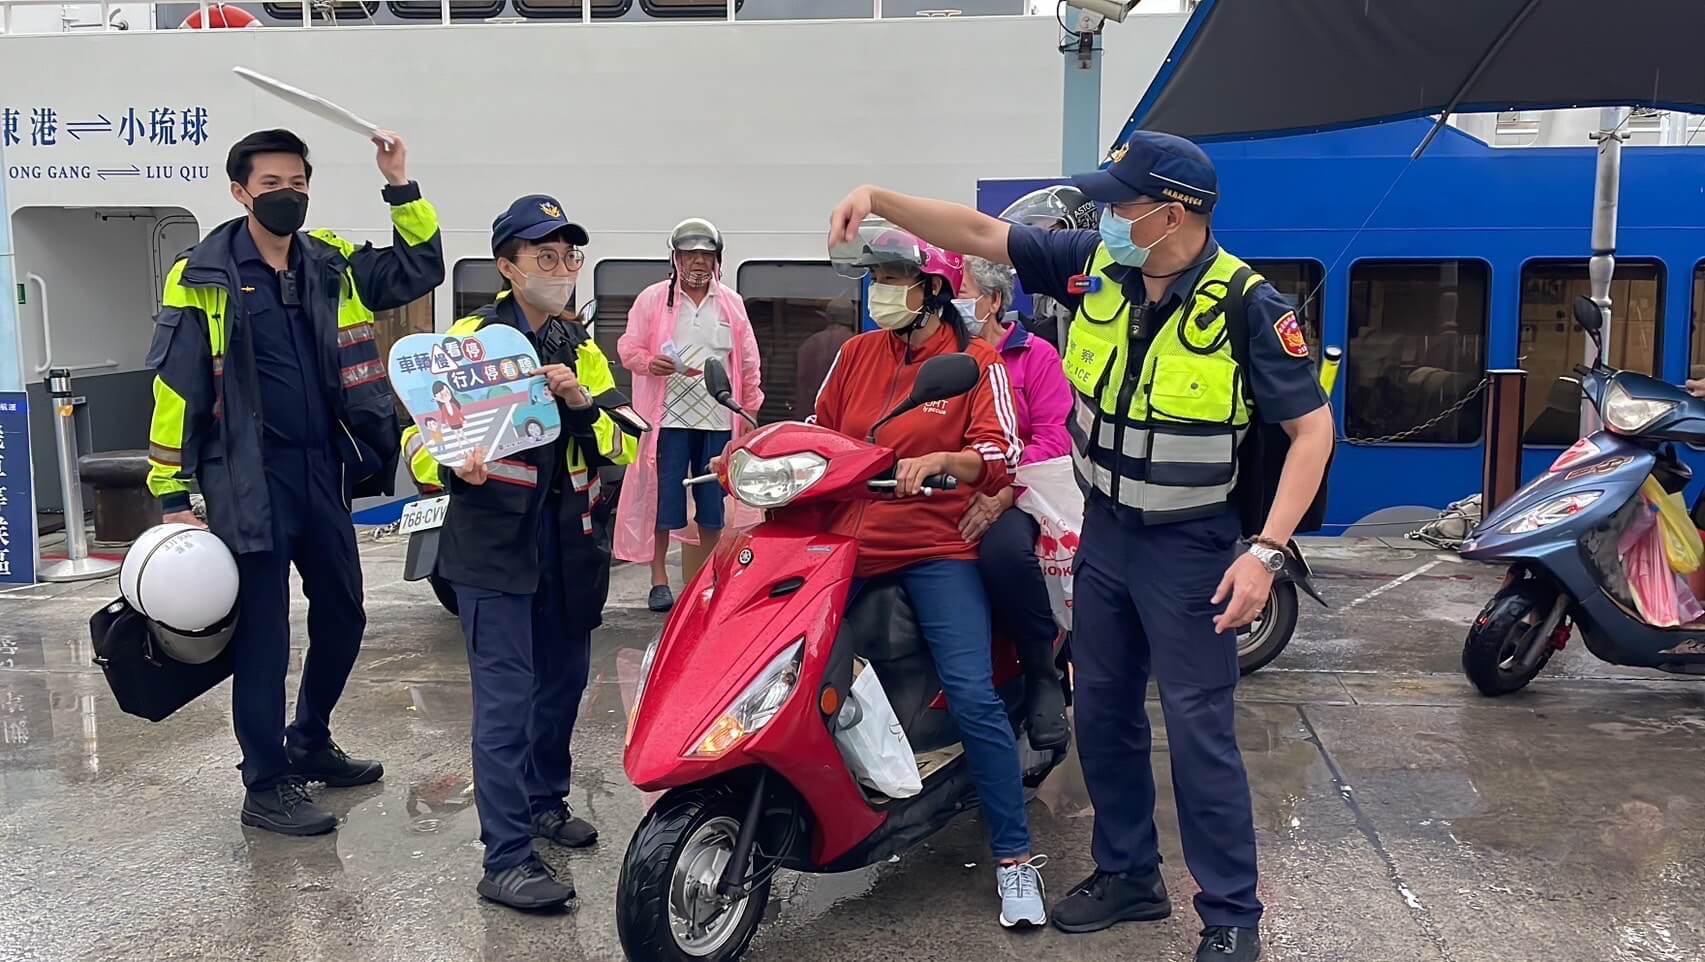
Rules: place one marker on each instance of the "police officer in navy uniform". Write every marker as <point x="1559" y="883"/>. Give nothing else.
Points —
<point x="1164" y="397"/>
<point x="526" y="547"/>
<point x="271" y="394"/>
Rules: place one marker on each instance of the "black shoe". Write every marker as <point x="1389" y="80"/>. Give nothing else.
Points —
<point x="560" y="826"/>
<point x="660" y="599"/>
<point x="287" y="809"/>
<point x="333" y="766"/>
<point x="529" y="885"/>
<point x="1045" y="712"/>
<point x="1105" y="899"/>
<point x="1225" y="943"/>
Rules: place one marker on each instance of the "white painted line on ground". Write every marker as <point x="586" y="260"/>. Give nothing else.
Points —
<point x="1400" y="579"/>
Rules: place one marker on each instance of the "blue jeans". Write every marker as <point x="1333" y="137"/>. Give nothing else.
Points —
<point x="953" y="613"/>
<point x="683" y="453"/>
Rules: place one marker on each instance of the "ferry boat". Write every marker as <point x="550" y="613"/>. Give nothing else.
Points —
<point x="759" y="115"/>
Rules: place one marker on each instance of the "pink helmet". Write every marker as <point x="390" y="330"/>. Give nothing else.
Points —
<point x="890" y="247"/>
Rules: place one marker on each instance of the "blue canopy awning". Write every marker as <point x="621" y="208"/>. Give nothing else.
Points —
<point x="1246" y="68"/>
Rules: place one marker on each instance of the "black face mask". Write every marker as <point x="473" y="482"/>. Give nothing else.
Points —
<point x="282" y="212"/>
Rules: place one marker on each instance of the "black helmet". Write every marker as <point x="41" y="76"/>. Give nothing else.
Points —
<point x="1060" y="206"/>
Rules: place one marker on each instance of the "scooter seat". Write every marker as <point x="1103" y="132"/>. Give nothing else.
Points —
<point x="882" y="620"/>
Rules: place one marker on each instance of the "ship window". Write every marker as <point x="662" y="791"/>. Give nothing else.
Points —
<point x="459" y="9"/>
<point x="688" y="8"/>
<point x="789" y="303"/>
<point x="391" y="326"/>
<point x="1417" y="345"/>
<point x="1551" y="345"/>
<point x="1696" y="354"/>
<point x="570" y="9"/>
<point x="475" y="283"/>
<point x="341" y="10"/>
<point x="1299" y="280"/>
<point x="616" y="283"/>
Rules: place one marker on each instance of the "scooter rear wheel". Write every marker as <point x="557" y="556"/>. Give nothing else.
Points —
<point x="667" y="909"/>
<point x="1503" y="631"/>
<point x="446" y="594"/>
<point x="1267" y="636"/>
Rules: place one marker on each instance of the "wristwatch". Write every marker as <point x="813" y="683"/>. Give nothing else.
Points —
<point x="1272" y="558"/>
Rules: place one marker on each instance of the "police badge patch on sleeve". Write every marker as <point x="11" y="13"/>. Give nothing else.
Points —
<point x="1290" y="335"/>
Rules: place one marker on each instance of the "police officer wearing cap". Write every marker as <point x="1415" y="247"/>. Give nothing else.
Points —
<point x="525" y="545"/>
<point x="1164" y="397"/>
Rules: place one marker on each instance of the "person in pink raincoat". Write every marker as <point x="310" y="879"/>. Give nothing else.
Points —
<point x="675" y="326"/>
<point x="1006" y="535"/>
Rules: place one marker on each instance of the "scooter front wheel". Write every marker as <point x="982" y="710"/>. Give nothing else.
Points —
<point x="667" y="907"/>
<point x="1493" y="654"/>
<point x="1266" y="637"/>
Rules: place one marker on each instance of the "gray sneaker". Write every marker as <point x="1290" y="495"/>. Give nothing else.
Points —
<point x="1023" y="899"/>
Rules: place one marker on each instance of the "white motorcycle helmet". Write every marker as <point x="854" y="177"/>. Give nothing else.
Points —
<point x="184" y="581"/>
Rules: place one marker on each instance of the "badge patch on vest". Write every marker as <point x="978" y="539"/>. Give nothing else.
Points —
<point x="1290" y="335"/>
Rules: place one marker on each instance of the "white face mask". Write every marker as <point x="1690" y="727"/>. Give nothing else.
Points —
<point x="888" y="306"/>
<point x="546" y="292"/>
<point x="967" y="307"/>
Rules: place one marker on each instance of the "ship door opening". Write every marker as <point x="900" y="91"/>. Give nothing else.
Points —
<point x="91" y="279"/>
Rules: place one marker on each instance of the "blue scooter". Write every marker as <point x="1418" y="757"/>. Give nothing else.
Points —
<point x="1559" y="535"/>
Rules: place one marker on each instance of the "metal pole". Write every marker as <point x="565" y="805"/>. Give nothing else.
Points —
<point x="1606" y="187"/>
<point x="1506" y="416"/>
<point x="444" y="12"/>
<point x="77" y="566"/>
<point x="1080" y="91"/>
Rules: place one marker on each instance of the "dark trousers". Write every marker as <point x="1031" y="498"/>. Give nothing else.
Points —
<point x="1142" y="605"/>
<point x="1018" y="595"/>
<point x="528" y="674"/>
<point x="310" y="529"/>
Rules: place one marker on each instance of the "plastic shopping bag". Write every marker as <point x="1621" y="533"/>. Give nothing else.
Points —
<point x="1052" y="497"/>
<point x="872" y="742"/>
<point x="1681" y="539"/>
<point x="1649" y="576"/>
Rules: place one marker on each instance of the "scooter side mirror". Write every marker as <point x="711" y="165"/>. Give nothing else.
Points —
<point x="716" y="382"/>
<point x="940" y="377"/>
<point x="587" y="312"/>
<point x="1587" y="314"/>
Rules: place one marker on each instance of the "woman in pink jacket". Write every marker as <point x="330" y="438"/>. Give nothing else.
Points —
<point x="673" y="328"/>
<point x="1017" y="592"/>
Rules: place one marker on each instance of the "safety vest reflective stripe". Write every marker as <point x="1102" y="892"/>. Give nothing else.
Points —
<point x="218" y="365"/>
<point x="164" y="455"/>
<point x="513" y="472"/>
<point x="355" y="334"/>
<point x="577" y="475"/>
<point x="363" y="372"/>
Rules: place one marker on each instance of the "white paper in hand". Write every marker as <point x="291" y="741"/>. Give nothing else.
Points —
<point x="316" y="105"/>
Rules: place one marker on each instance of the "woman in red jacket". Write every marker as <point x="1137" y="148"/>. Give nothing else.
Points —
<point x="973" y="437"/>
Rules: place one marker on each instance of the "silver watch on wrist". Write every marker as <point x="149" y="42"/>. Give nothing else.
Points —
<point x="1271" y="558"/>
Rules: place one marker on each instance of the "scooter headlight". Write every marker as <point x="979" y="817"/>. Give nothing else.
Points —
<point x="639" y="687"/>
<point x="773" y="482"/>
<point x="755" y="706"/>
<point x="1627" y="414"/>
<point x="1552" y="511"/>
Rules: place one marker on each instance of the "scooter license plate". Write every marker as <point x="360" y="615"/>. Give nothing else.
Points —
<point x="423" y="515"/>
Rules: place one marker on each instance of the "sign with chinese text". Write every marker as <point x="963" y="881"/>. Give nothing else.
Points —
<point x="99" y="144"/>
<point x="17" y="505"/>
<point x="478" y="390"/>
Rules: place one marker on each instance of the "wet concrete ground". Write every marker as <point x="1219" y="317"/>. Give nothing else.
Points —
<point x="1401" y="816"/>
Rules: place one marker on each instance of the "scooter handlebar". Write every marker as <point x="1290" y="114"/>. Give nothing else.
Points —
<point x="932" y="484"/>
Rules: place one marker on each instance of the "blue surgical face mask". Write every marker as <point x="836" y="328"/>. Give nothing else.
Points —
<point x="1116" y="234"/>
<point x="968" y="312"/>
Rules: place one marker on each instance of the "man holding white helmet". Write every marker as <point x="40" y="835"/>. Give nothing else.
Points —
<point x="270" y="393"/>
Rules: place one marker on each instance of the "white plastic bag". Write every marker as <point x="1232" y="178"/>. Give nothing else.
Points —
<point x="1052" y="497"/>
<point x="873" y="744"/>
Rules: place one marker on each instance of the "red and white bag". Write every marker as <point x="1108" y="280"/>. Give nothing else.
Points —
<point x="1051" y="496"/>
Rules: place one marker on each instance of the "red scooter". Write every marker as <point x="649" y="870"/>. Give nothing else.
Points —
<point x="739" y="698"/>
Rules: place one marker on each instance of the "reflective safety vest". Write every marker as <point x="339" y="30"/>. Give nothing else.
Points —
<point x="1160" y="441"/>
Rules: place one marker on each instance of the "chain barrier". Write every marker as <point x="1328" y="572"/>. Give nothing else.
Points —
<point x="1431" y="422"/>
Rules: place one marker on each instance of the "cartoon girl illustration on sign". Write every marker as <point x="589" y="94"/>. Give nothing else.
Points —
<point x="448" y="406"/>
